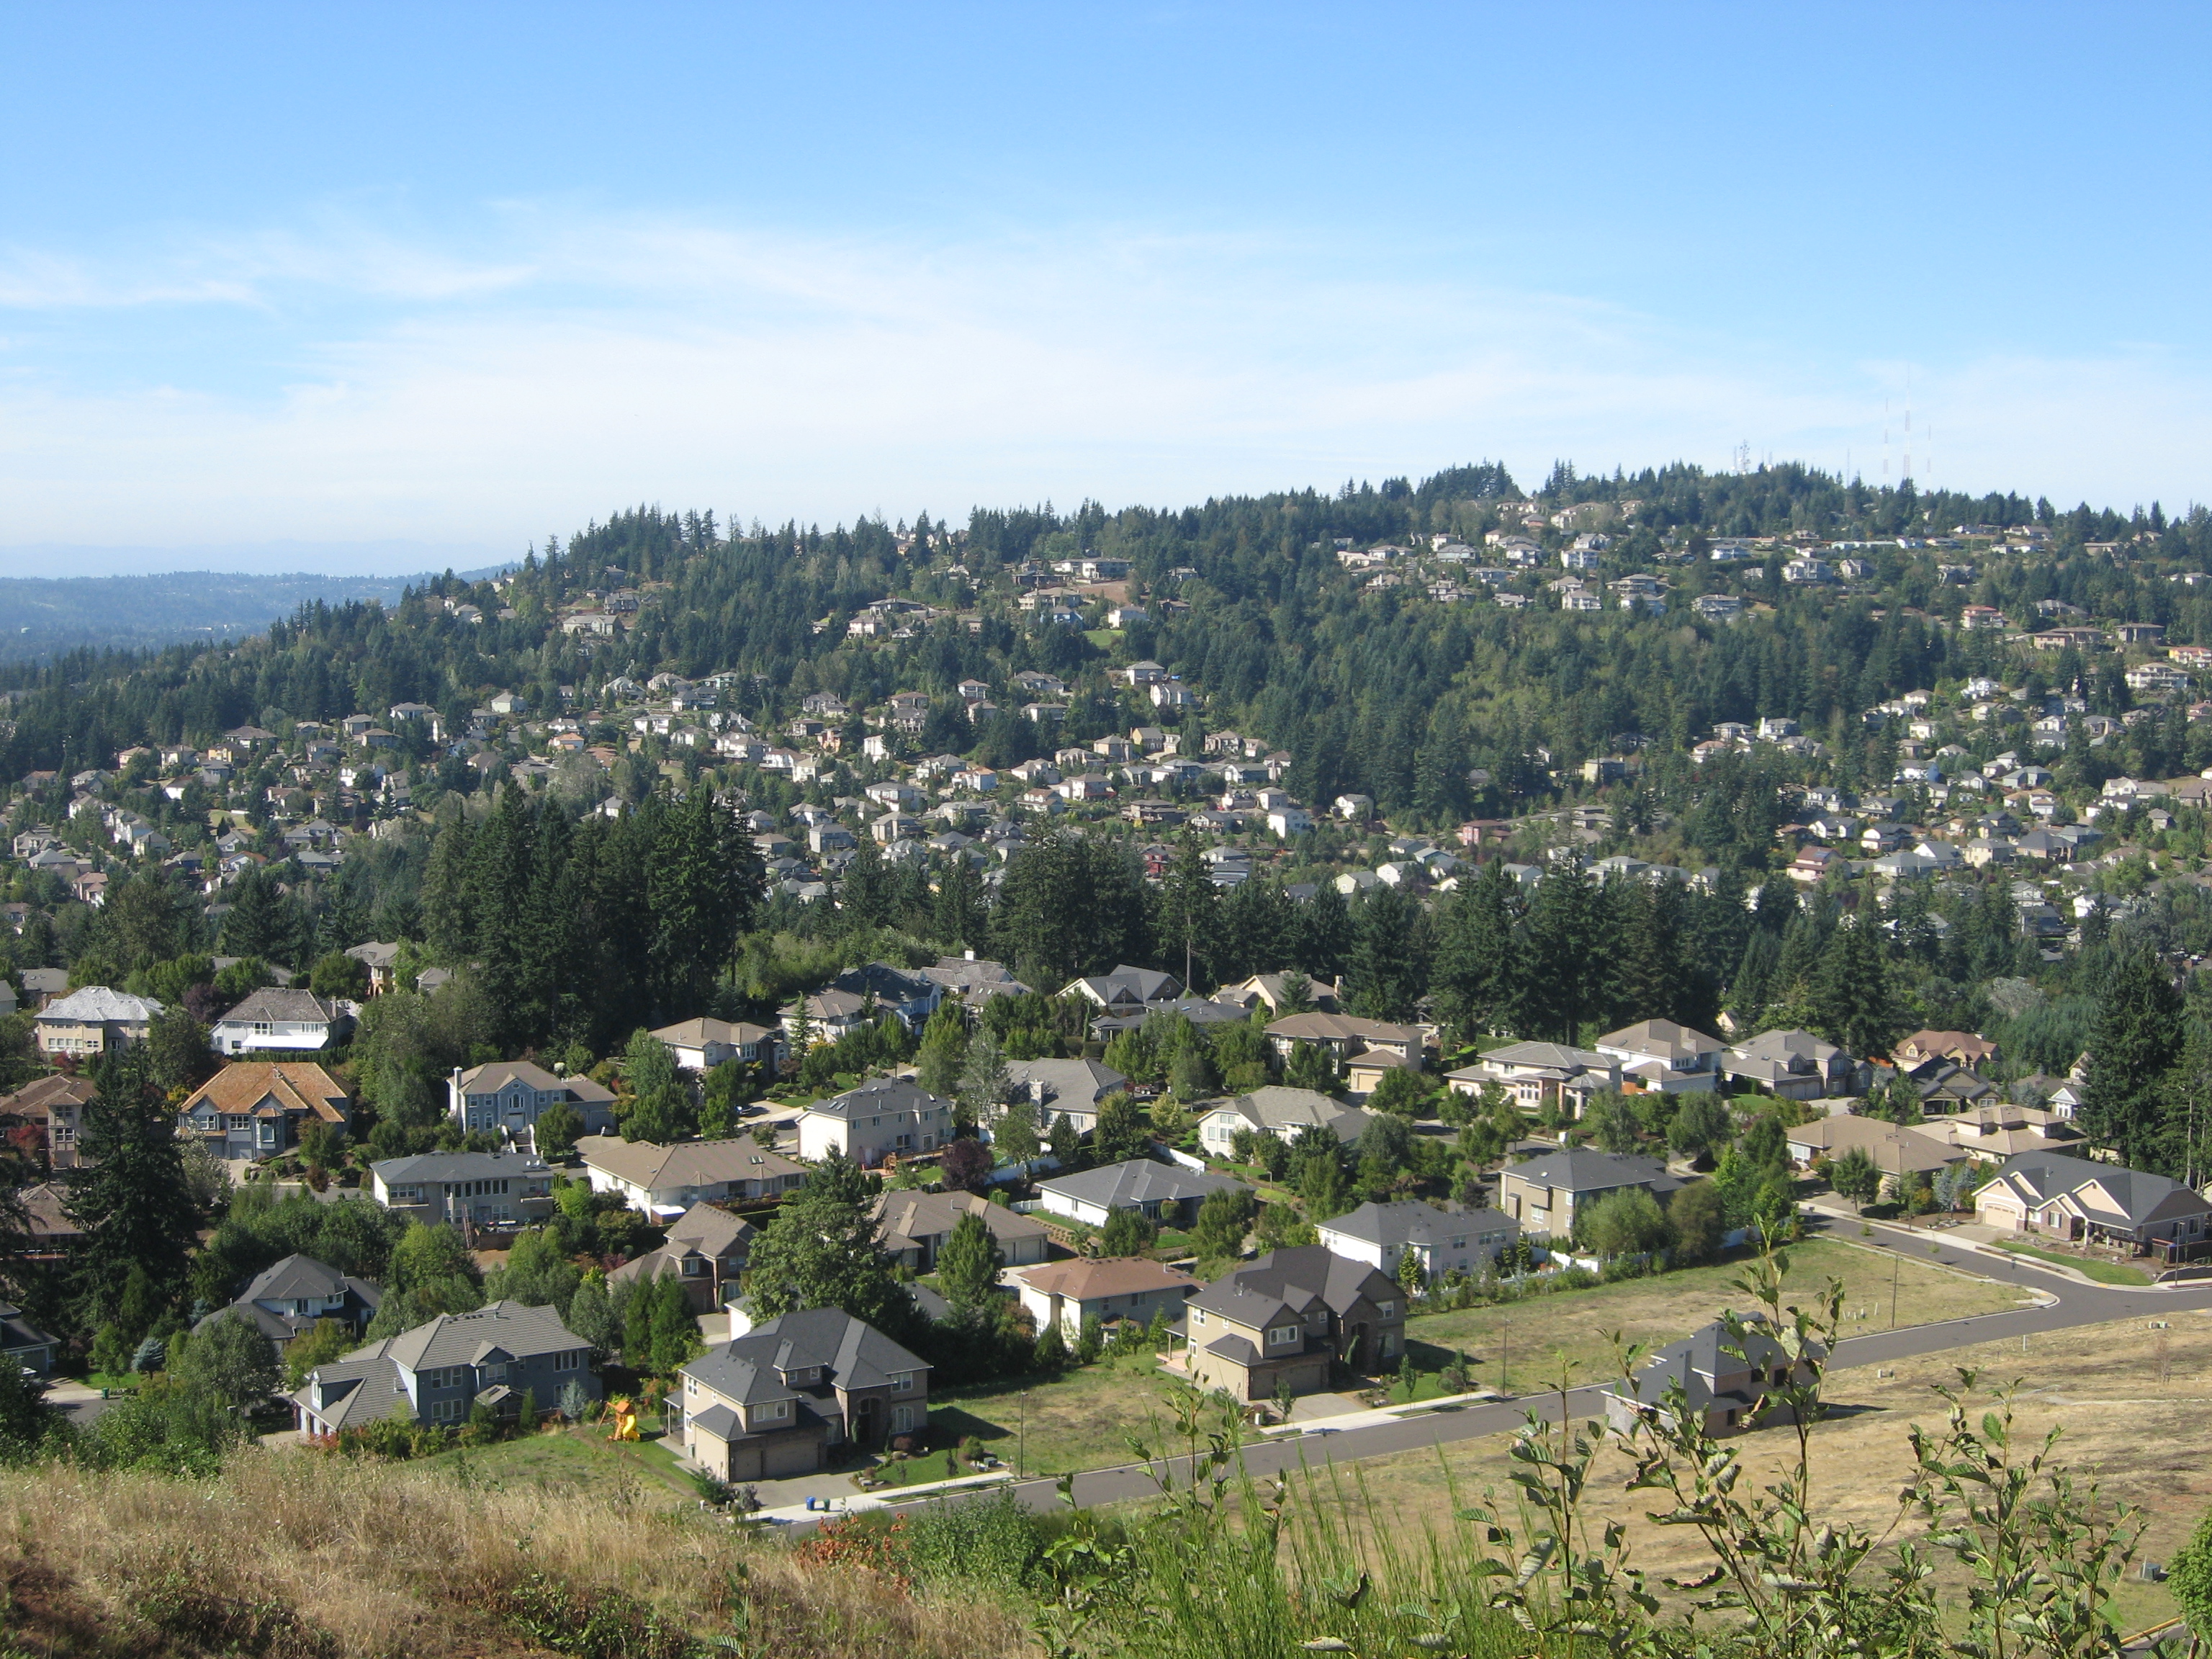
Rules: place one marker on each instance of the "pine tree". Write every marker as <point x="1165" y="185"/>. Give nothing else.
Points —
<point x="2137" y="1038"/>
<point x="1476" y="953"/>
<point x="962" y="917"/>
<point x="968" y="1267"/>
<point x="1852" y="1003"/>
<point x="130" y="1195"/>
<point x="866" y="890"/>
<point x="1190" y="909"/>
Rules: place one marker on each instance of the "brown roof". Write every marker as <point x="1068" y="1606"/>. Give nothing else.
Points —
<point x="1086" y="1281"/>
<point x="912" y="1216"/>
<point x="49" y="1221"/>
<point x="686" y="1163"/>
<point x="34" y="1100"/>
<point x="249" y="1086"/>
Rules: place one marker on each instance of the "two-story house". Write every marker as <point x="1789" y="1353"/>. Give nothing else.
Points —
<point x="1662" y="1055"/>
<point x="285" y="1299"/>
<point x="1547" y="1192"/>
<point x="279" y="1022"/>
<point x="1133" y="1288"/>
<point x="701" y="1045"/>
<point x="1722" y="1377"/>
<point x="1795" y="1065"/>
<point x="1539" y="1074"/>
<point x="1446" y="1239"/>
<point x="1279" y="1111"/>
<point x="707" y="1247"/>
<point x="55" y="1104"/>
<point x="1345" y="1036"/>
<point x="480" y="1188"/>
<point x="257" y="1108"/>
<point x="507" y="1096"/>
<point x="772" y="1402"/>
<point x="667" y="1181"/>
<point x="438" y="1371"/>
<point x="909" y="993"/>
<point x="1284" y="1322"/>
<point x="883" y="1117"/>
<point x="93" y="1019"/>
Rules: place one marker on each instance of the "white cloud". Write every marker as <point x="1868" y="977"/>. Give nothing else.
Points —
<point x="566" y="365"/>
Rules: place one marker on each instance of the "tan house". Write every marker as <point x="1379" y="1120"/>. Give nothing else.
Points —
<point x="91" y="1020"/>
<point x="670" y="1179"/>
<point x="1065" y="1293"/>
<point x="1285" y="1322"/>
<point x="702" y="1044"/>
<point x="55" y="1104"/>
<point x="1546" y="1192"/>
<point x="706" y="1248"/>
<point x="771" y="1403"/>
<point x="1961" y="1047"/>
<point x="1897" y="1151"/>
<point x="1538" y="1074"/>
<point x="1996" y="1133"/>
<point x="2074" y="1198"/>
<point x="1723" y="1379"/>
<point x="916" y="1224"/>
<point x="1345" y="1036"/>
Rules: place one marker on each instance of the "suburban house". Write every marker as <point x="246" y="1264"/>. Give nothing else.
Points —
<point x="1662" y="1055"/>
<point x="1944" y="1086"/>
<point x="1279" y="1111"/>
<point x="826" y="1016"/>
<point x="92" y="1020"/>
<point x="507" y="1098"/>
<point x="1134" y="1288"/>
<point x="382" y="961"/>
<point x="24" y="1342"/>
<point x="1720" y="1378"/>
<point x="667" y="1180"/>
<point x="1283" y="1323"/>
<point x="916" y="1224"/>
<point x="885" y="1117"/>
<point x="909" y="993"/>
<point x="257" y="1108"/>
<point x="494" y="1355"/>
<point x="1545" y="1193"/>
<point x="1901" y="1153"/>
<point x="2074" y="1198"/>
<point x="1126" y="990"/>
<point x="1795" y="1065"/>
<point x="701" y="1045"/>
<point x="1345" y="1037"/>
<point x="1166" y="1193"/>
<point x="1959" y="1047"/>
<point x="1450" y="1238"/>
<point x="1274" y="992"/>
<point x="57" y="1104"/>
<point x="770" y="1403"/>
<point x="480" y="1188"/>
<point x="1072" y="1088"/>
<point x="1993" y="1134"/>
<point x="706" y="1248"/>
<point x="285" y="1300"/>
<point x="1537" y="1074"/>
<point x="973" y="982"/>
<point x="270" y="1020"/>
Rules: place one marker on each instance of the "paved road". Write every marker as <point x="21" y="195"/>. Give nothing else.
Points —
<point x="2073" y="1304"/>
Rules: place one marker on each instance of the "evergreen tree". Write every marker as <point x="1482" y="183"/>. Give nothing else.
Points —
<point x="1190" y="909"/>
<point x="944" y="1051"/>
<point x="963" y="919"/>
<point x="129" y="1195"/>
<point x="1852" y="1005"/>
<point x="968" y="1268"/>
<point x="1389" y="957"/>
<point x="821" y="1251"/>
<point x="866" y="895"/>
<point x="1476" y="953"/>
<point x="1015" y="1133"/>
<point x="2136" y="1039"/>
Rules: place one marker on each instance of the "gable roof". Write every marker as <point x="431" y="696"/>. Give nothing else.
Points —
<point x="1661" y="1038"/>
<point x="1292" y="1279"/>
<point x="1700" y="1361"/>
<point x="698" y="1032"/>
<point x="1542" y="1056"/>
<point x="1084" y="1279"/>
<point x="465" y="1339"/>
<point x="1137" y="1181"/>
<point x="2107" y="1192"/>
<point x="287" y="1007"/>
<point x="491" y="1077"/>
<point x="856" y="1354"/>
<point x="879" y="1095"/>
<point x="1084" y="1082"/>
<point x="457" y="1166"/>
<point x="98" y="1005"/>
<point x="249" y="1086"/>
<point x="1278" y="1107"/>
<point x="1335" y="1027"/>
<point x="908" y="1217"/>
<point x="1409" y="1221"/>
<point x="297" y="1276"/>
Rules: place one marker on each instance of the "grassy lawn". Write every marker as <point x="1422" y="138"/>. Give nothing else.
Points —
<point x="1077" y="1421"/>
<point x="568" y="1460"/>
<point x="2104" y="1272"/>
<point x="920" y="1470"/>
<point x="1523" y="1346"/>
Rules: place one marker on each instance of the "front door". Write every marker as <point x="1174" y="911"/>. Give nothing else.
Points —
<point x="864" y="1429"/>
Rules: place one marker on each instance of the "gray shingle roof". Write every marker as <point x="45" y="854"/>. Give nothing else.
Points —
<point x="1393" y="1227"/>
<point x="1579" y="1170"/>
<point x="289" y="1007"/>
<point x="1294" y="1278"/>
<point x="2140" y="1195"/>
<point x="883" y="1094"/>
<point x="1698" y="1362"/>
<point x="456" y="1166"/>
<point x="98" y="1005"/>
<point x="298" y="1276"/>
<point x="853" y="1353"/>
<point x="1137" y="1181"/>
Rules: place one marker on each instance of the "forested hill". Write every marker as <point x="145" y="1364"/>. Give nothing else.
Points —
<point x="1375" y="688"/>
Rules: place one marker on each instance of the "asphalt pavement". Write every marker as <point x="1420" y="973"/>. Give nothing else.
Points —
<point x="2071" y="1302"/>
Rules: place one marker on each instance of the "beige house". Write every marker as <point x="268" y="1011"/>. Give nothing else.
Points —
<point x="707" y="1247"/>
<point x="1537" y="1074"/>
<point x="1065" y="1293"/>
<point x="1896" y="1151"/>
<point x="1994" y="1133"/>
<point x="916" y="1224"/>
<point x="771" y="1403"/>
<point x="1546" y="1192"/>
<point x="670" y="1179"/>
<point x="91" y="1020"/>
<point x="1345" y="1037"/>
<point x="1283" y="1323"/>
<point x="2074" y="1198"/>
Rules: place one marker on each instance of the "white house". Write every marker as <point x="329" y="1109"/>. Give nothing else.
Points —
<point x="1067" y="1293"/>
<point x="1442" y="1240"/>
<point x="885" y="1117"/>
<point x="1663" y="1055"/>
<point x="279" y="1021"/>
<point x="701" y="1045"/>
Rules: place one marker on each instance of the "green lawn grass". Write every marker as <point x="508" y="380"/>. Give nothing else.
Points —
<point x="2104" y="1272"/>
<point x="570" y="1460"/>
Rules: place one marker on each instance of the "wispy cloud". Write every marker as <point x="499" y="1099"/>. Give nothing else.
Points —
<point x="549" y="363"/>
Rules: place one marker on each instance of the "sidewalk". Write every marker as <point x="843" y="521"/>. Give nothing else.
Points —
<point x="1977" y="1239"/>
<point x="854" y="1503"/>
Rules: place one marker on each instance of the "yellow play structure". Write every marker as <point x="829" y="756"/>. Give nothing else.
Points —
<point x="623" y="1413"/>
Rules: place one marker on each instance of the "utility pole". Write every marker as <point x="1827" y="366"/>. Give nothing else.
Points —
<point x="1021" y="1429"/>
<point x="1896" y="1262"/>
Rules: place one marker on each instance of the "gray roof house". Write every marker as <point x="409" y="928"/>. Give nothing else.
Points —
<point x="1279" y="1111"/>
<point x="883" y="1117"/>
<point x="1069" y="1087"/>
<point x="1795" y="1065"/>
<point x="24" y="1342"/>
<point x="1126" y="990"/>
<point x="770" y="1402"/>
<point x="1444" y="1240"/>
<point x="707" y="1247"/>
<point x="1165" y="1192"/>
<point x="272" y="1020"/>
<point x="483" y="1188"/>
<point x="285" y="1299"/>
<point x="1287" y="1319"/>
<point x="2073" y="1198"/>
<point x="1725" y="1386"/>
<point x="1534" y="1074"/>
<point x="917" y="1224"/>
<point x="1545" y="1193"/>
<point x="435" y="1372"/>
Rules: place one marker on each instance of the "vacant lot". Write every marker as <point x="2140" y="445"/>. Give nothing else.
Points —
<point x="2131" y="1401"/>
<point x="568" y="1460"/>
<point x="1523" y="1346"/>
<point x="1078" y="1421"/>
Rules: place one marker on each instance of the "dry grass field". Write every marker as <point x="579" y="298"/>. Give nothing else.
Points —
<point x="2132" y="1403"/>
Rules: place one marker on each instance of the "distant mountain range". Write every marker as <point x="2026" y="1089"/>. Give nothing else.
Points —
<point x="41" y="615"/>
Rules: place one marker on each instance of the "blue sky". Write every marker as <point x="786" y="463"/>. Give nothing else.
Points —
<point x="390" y="283"/>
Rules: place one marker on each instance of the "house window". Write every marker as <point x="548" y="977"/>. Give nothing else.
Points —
<point x="1388" y="1310"/>
<point x="902" y="1383"/>
<point x="1283" y="1336"/>
<point x="570" y="1361"/>
<point x="447" y="1411"/>
<point x="901" y="1419"/>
